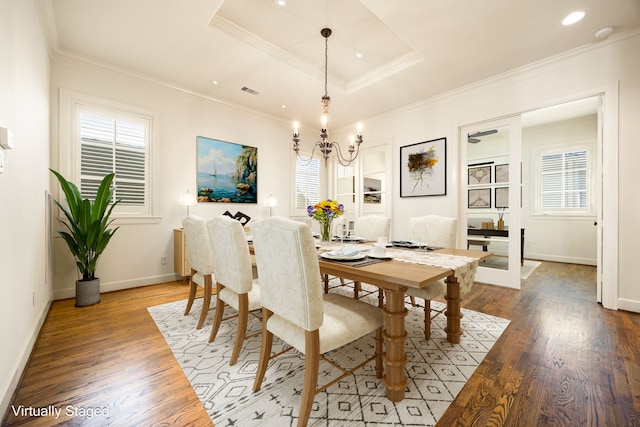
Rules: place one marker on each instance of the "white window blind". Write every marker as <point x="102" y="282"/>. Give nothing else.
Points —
<point x="111" y="142"/>
<point x="307" y="183"/>
<point x="564" y="183"/>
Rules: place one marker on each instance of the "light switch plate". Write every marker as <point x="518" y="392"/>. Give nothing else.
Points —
<point x="6" y="138"/>
<point x="1" y="160"/>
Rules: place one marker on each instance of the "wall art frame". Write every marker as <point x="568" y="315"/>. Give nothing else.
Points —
<point x="479" y="174"/>
<point x="479" y="198"/>
<point x="423" y="168"/>
<point x="502" y="174"/>
<point x="226" y="172"/>
<point x="501" y="197"/>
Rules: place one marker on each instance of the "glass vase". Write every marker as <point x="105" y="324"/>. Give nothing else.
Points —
<point x="325" y="231"/>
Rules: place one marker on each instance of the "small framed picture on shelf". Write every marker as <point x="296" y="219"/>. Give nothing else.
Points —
<point x="479" y="175"/>
<point x="502" y="173"/>
<point x="479" y="198"/>
<point x="502" y="197"/>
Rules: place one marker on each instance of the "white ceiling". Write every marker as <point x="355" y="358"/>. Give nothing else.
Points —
<point x="413" y="49"/>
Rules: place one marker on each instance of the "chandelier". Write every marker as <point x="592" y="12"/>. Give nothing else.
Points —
<point x="324" y="145"/>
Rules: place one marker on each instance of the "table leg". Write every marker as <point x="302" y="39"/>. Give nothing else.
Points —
<point x="453" y="313"/>
<point x="395" y="335"/>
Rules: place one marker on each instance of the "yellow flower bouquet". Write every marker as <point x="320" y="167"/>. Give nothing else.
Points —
<point x="324" y="212"/>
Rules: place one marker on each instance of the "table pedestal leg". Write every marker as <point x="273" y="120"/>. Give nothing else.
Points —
<point x="454" y="331"/>
<point x="395" y="335"/>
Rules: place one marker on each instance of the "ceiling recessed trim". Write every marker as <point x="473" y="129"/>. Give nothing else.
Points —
<point x="266" y="47"/>
<point x="384" y="71"/>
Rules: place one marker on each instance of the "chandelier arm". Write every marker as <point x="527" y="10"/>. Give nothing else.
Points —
<point x="341" y="158"/>
<point x="308" y="162"/>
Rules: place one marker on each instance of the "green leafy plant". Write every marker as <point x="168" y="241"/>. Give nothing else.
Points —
<point x="86" y="221"/>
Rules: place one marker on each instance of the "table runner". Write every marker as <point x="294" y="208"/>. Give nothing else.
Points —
<point x="355" y="263"/>
<point x="464" y="268"/>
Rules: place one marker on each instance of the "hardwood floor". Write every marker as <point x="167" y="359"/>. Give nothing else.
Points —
<point x="563" y="361"/>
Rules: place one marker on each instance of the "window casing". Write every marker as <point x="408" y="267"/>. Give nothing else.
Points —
<point x="564" y="183"/>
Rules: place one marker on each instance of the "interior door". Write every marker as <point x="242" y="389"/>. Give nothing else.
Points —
<point x="491" y="197"/>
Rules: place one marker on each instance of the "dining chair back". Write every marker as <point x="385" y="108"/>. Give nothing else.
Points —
<point x="201" y="262"/>
<point x="296" y="310"/>
<point x="371" y="227"/>
<point x="433" y="230"/>
<point x="234" y="277"/>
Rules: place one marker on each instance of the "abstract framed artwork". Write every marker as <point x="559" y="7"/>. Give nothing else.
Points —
<point x="423" y="168"/>
<point x="501" y="197"/>
<point x="479" y="198"/>
<point x="226" y="172"/>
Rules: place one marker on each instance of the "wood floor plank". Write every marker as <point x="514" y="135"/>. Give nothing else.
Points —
<point x="112" y="356"/>
<point x="563" y="360"/>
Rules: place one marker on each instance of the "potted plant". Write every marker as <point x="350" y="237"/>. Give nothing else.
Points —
<point x="87" y="233"/>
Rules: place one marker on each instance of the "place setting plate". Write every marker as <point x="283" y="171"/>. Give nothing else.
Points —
<point x="343" y="257"/>
<point x="345" y="254"/>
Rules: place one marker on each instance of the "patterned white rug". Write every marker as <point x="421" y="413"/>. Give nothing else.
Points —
<point x="436" y="369"/>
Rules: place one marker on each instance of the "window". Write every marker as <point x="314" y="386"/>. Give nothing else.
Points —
<point x="564" y="181"/>
<point x="112" y="141"/>
<point x="307" y="183"/>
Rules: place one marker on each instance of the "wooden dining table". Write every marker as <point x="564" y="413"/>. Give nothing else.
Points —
<point x="394" y="277"/>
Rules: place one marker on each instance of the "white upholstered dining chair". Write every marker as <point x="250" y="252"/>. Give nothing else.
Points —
<point x="295" y="309"/>
<point x="234" y="278"/>
<point x="371" y="227"/>
<point x="201" y="261"/>
<point x="433" y="230"/>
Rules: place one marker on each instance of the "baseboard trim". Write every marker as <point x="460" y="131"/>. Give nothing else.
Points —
<point x="555" y="258"/>
<point x="70" y="292"/>
<point x="629" y="305"/>
<point x="9" y="391"/>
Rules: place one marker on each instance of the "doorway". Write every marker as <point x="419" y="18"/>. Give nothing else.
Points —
<point x="576" y="234"/>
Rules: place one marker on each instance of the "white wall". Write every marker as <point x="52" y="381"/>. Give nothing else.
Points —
<point x="577" y="74"/>
<point x="133" y="257"/>
<point x="25" y="289"/>
<point x="569" y="239"/>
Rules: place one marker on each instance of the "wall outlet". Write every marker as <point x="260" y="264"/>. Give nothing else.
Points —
<point x="163" y="259"/>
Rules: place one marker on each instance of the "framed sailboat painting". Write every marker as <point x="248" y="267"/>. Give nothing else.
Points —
<point x="226" y="172"/>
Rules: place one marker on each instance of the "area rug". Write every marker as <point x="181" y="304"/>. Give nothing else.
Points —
<point x="501" y="263"/>
<point x="437" y="371"/>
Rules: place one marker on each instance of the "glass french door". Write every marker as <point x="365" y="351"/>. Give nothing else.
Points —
<point x="363" y="187"/>
<point x="490" y="202"/>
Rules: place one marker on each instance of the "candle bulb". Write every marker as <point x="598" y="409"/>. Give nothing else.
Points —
<point x="324" y="122"/>
<point x="359" y="129"/>
<point x="295" y="128"/>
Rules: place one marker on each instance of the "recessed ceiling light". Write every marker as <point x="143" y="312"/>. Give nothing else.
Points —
<point x="573" y="17"/>
<point x="283" y="106"/>
<point x="280" y="3"/>
<point x="359" y="55"/>
<point x="213" y="82"/>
